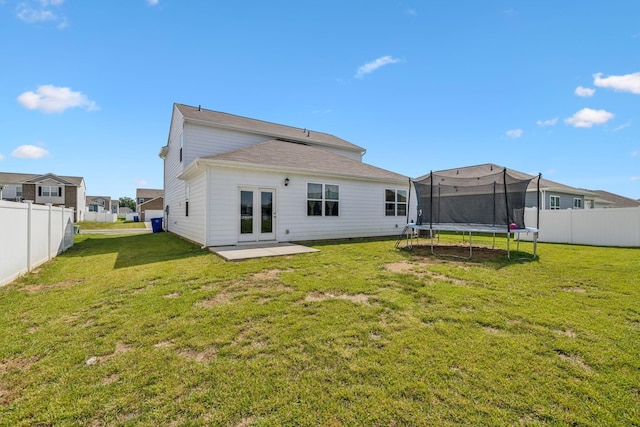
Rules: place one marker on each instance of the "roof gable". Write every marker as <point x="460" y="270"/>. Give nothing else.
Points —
<point x="30" y="178"/>
<point x="304" y="158"/>
<point x="277" y="131"/>
<point x="148" y="193"/>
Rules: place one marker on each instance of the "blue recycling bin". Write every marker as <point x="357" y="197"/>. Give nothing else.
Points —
<point x="156" y="224"/>
<point x="136" y="218"/>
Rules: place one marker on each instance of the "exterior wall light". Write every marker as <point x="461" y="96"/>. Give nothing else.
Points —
<point x="286" y="182"/>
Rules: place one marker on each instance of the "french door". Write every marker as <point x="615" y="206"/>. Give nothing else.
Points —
<point x="257" y="214"/>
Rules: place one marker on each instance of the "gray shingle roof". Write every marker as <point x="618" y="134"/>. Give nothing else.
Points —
<point x="283" y="154"/>
<point x="617" y="200"/>
<point x="264" y="128"/>
<point x="21" y="178"/>
<point x="148" y="193"/>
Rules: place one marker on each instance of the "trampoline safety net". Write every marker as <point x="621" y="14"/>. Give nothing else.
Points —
<point x="492" y="199"/>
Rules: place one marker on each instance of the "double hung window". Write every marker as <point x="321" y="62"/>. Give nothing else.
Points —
<point x="323" y="199"/>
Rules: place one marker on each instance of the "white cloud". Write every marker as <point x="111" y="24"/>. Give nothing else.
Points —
<point x="625" y="83"/>
<point x="514" y="133"/>
<point x="584" y="92"/>
<point x="550" y="122"/>
<point x="40" y="11"/>
<point x="53" y="99"/>
<point x="29" y="152"/>
<point x="153" y="2"/>
<point x="141" y="182"/>
<point x="374" y="65"/>
<point x="411" y="12"/>
<point x="1" y="156"/>
<point x="622" y="126"/>
<point x="635" y="178"/>
<point x="587" y="117"/>
<point x="634" y="154"/>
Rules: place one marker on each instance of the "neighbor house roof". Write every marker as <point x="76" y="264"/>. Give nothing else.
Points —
<point x="615" y="199"/>
<point x="488" y="168"/>
<point x="269" y="129"/>
<point x="148" y="193"/>
<point x="31" y="178"/>
<point x="290" y="156"/>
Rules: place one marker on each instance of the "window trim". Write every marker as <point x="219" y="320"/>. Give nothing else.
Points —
<point x="577" y="201"/>
<point x="395" y="202"/>
<point x="552" y="205"/>
<point x="324" y="199"/>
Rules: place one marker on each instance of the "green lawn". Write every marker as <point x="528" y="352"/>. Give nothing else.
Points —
<point x="119" y="224"/>
<point x="149" y="330"/>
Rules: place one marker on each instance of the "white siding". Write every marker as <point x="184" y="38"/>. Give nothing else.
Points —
<point x="203" y="140"/>
<point x="361" y="207"/>
<point x="173" y="187"/>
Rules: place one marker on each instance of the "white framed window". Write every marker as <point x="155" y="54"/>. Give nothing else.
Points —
<point x="577" y="203"/>
<point x="50" y="191"/>
<point x="395" y="202"/>
<point x="554" y="202"/>
<point x="323" y="199"/>
<point x="19" y="191"/>
<point x="181" y="141"/>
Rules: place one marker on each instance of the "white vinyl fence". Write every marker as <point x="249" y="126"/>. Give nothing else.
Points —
<point x="100" y="216"/>
<point x="598" y="227"/>
<point x="31" y="235"/>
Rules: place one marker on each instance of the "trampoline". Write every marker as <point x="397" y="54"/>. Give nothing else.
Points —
<point x="472" y="200"/>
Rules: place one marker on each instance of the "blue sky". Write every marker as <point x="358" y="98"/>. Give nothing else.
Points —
<point x="87" y="87"/>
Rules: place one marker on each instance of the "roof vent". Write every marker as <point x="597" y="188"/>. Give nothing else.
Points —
<point x="199" y="107"/>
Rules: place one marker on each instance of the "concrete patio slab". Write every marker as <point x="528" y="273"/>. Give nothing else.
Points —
<point x="259" y="250"/>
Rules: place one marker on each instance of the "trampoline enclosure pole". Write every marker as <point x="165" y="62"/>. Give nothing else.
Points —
<point x="506" y="197"/>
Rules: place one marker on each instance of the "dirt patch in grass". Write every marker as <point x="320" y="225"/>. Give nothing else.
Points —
<point x="172" y="295"/>
<point x="120" y="348"/>
<point x="567" y="333"/>
<point x="491" y="330"/>
<point x="23" y="364"/>
<point x="573" y="289"/>
<point x="163" y="344"/>
<point x="575" y="360"/>
<point x="221" y="298"/>
<point x="404" y="267"/>
<point x="245" y="422"/>
<point x="269" y="275"/>
<point x="206" y="355"/>
<point x="456" y="252"/>
<point x="316" y="297"/>
<point x="34" y="289"/>
<point x="17" y="363"/>
<point x="400" y="267"/>
<point x="110" y="379"/>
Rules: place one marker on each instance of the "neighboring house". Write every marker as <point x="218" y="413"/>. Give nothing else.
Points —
<point x="145" y="194"/>
<point x="156" y="204"/>
<point x="553" y="195"/>
<point x="611" y="200"/>
<point x="230" y="179"/>
<point x="57" y="190"/>
<point x="98" y="204"/>
<point x="115" y="207"/>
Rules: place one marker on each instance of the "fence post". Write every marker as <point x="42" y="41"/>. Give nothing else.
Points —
<point x="29" y="216"/>
<point x="49" y="231"/>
